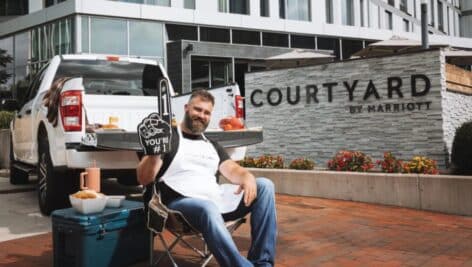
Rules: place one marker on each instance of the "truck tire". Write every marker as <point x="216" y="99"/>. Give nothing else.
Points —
<point x="54" y="186"/>
<point x="17" y="176"/>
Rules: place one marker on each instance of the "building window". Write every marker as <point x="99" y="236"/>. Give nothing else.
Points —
<point x="448" y="21"/>
<point x="108" y="36"/>
<point x="264" y="8"/>
<point x="347" y="7"/>
<point x="181" y="32"/>
<point x="440" y="16"/>
<point x="246" y="37"/>
<point x="85" y="34"/>
<point x="234" y="6"/>
<point x="275" y="39"/>
<point x="211" y="72"/>
<point x="301" y="41"/>
<point x="362" y="6"/>
<point x="404" y="6"/>
<point x="13" y="7"/>
<point x="145" y="39"/>
<point x="350" y="47"/>
<point x="155" y="2"/>
<point x="326" y="43"/>
<point x="48" y="3"/>
<point x="431" y="5"/>
<point x="295" y="9"/>
<point x="329" y="11"/>
<point x="189" y="4"/>
<point x="406" y="25"/>
<point x="214" y="35"/>
<point x="391" y="2"/>
<point x="388" y="20"/>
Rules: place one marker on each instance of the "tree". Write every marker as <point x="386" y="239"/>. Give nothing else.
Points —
<point x="4" y="60"/>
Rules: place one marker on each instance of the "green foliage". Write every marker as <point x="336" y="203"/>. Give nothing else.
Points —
<point x="5" y="118"/>
<point x="302" y="164"/>
<point x="4" y="60"/>
<point x="461" y="154"/>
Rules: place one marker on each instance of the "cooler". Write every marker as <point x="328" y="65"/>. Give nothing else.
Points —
<point x="113" y="238"/>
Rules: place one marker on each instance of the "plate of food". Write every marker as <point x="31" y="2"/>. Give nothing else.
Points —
<point x="88" y="201"/>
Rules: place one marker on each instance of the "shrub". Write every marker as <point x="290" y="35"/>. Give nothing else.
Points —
<point x="269" y="161"/>
<point x="302" y="164"/>
<point x="5" y="118"/>
<point x="249" y="162"/>
<point x="461" y="154"/>
<point x="421" y="165"/>
<point x="350" y="161"/>
<point x="390" y="164"/>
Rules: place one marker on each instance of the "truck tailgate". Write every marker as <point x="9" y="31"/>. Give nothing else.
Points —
<point x="130" y="141"/>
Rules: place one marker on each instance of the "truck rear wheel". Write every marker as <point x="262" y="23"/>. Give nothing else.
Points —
<point x="17" y="176"/>
<point x="53" y="186"/>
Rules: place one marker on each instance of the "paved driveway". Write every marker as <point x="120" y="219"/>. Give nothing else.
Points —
<point x="312" y="232"/>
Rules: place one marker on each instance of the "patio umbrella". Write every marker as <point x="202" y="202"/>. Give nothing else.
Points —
<point x="298" y="57"/>
<point x="394" y="45"/>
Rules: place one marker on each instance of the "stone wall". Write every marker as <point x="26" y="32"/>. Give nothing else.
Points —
<point x="318" y="127"/>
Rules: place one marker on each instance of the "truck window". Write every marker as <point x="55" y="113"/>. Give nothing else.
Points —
<point x="113" y="77"/>
<point x="34" y="86"/>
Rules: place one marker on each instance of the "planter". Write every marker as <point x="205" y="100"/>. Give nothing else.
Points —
<point x="442" y="193"/>
<point x="4" y="148"/>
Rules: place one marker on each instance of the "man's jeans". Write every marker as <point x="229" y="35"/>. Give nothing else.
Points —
<point x="205" y="217"/>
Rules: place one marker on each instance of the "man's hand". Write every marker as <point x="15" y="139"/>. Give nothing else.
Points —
<point x="154" y="135"/>
<point x="248" y="184"/>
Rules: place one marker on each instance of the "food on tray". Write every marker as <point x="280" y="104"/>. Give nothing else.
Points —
<point x="231" y="123"/>
<point x="85" y="194"/>
<point x="110" y="126"/>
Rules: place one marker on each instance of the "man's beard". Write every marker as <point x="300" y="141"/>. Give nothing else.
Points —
<point x="195" y="125"/>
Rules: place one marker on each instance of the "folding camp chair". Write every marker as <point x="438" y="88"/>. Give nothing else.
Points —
<point x="161" y="218"/>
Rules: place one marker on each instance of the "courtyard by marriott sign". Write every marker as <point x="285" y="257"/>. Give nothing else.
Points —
<point x="419" y="86"/>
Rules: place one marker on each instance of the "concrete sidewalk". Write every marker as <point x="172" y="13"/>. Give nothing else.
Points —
<point x="321" y="232"/>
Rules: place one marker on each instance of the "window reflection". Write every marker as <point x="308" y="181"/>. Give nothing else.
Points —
<point x="108" y="36"/>
<point x="295" y="9"/>
<point x="211" y="72"/>
<point x="145" y="38"/>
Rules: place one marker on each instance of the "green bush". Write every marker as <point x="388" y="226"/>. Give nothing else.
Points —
<point x="5" y="118"/>
<point x="461" y="154"/>
<point x="302" y="164"/>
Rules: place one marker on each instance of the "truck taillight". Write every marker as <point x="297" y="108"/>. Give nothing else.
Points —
<point x="71" y="110"/>
<point x="239" y="104"/>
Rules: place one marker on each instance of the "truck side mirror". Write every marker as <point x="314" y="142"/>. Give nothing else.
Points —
<point x="9" y="104"/>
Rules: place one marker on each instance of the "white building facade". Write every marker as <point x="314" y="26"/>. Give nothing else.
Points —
<point x="207" y="43"/>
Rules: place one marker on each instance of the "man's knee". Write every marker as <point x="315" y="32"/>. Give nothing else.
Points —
<point x="265" y="185"/>
<point x="209" y="213"/>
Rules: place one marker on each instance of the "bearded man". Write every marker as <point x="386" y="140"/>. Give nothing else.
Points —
<point x="186" y="180"/>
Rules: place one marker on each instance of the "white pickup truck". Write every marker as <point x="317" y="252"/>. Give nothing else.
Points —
<point x="101" y="88"/>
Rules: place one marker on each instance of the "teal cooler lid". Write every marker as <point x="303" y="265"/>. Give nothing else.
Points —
<point x="110" y="218"/>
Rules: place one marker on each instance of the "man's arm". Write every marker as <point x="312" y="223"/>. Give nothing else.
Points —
<point x="239" y="175"/>
<point x="148" y="168"/>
